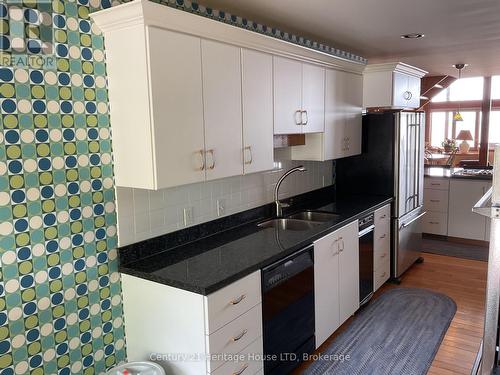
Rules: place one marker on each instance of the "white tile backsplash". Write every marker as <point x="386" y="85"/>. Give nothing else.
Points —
<point x="144" y="214"/>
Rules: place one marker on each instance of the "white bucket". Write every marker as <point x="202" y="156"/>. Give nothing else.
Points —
<point x="137" y="368"/>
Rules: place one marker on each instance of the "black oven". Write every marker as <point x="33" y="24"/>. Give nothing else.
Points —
<point x="288" y="311"/>
<point x="366" y="227"/>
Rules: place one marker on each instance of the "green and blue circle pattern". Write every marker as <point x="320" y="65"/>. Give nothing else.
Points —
<point x="60" y="297"/>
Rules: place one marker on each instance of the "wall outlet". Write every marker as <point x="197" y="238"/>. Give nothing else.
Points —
<point x="188" y="216"/>
<point x="220" y="207"/>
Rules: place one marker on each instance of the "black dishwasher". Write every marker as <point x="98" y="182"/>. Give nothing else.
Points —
<point x="288" y="311"/>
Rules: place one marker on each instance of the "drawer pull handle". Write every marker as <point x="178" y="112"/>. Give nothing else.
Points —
<point x="383" y="216"/>
<point x="238" y="300"/>
<point x="383" y="255"/>
<point x="243" y="333"/>
<point x="433" y="222"/>
<point x="240" y="371"/>
<point x="382" y="236"/>
<point x="435" y="184"/>
<point x="435" y="200"/>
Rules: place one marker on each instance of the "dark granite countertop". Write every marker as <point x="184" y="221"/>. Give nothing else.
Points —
<point x="460" y="173"/>
<point x="210" y="263"/>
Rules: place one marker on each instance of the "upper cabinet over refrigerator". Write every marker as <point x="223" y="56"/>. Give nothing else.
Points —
<point x="392" y="85"/>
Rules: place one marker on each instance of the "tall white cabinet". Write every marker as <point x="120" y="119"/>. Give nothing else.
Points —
<point x="336" y="279"/>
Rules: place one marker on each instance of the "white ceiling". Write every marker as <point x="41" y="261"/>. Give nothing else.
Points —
<point x="455" y="31"/>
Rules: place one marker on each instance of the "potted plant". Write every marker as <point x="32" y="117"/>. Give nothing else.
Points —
<point x="449" y="145"/>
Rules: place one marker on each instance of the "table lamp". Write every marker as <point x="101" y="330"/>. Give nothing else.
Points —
<point x="464" y="136"/>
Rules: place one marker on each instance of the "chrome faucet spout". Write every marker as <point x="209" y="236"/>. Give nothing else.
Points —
<point x="277" y="203"/>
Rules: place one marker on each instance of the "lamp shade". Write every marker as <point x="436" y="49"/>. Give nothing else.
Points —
<point x="464" y="135"/>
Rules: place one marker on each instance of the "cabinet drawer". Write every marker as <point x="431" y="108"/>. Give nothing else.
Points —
<point x="436" y="183"/>
<point x="248" y="362"/>
<point x="435" y="223"/>
<point x="383" y="216"/>
<point x="436" y="200"/>
<point x="234" y="336"/>
<point x="381" y="275"/>
<point x="381" y="258"/>
<point x="232" y="301"/>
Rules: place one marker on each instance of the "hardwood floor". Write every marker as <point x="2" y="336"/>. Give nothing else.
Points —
<point x="465" y="282"/>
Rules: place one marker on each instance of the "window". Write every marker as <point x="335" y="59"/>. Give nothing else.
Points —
<point x="443" y="126"/>
<point x="438" y="128"/>
<point x="464" y="89"/>
<point x="494" y="133"/>
<point x="467" y="89"/>
<point x="495" y="87"/>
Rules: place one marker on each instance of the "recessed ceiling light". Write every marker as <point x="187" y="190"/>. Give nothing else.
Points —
<point x="412" y="36"/>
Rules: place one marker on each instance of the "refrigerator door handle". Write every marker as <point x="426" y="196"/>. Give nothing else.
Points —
<point x="413" y="220"/>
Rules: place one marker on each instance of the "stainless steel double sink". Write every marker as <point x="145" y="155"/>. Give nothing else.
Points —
<point x="301" y="221"/>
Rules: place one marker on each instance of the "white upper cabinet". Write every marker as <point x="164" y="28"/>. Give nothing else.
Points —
<point x="299" y="97"/>
<point x="287" y="96"/>
<point x="313" y="98"/>
<point x="197" y="99"/>
<point x="257" y="99"/>
<point x="222" y="109"/>
<point x="392" y="85"/>
<point x="342" y="133"/>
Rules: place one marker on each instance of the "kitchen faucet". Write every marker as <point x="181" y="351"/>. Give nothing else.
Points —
<point x="279" y="205"/>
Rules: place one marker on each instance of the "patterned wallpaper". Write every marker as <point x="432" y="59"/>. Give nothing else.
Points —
<point x="60" y="299"/>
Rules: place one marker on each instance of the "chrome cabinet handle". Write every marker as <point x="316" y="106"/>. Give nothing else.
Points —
<point x="407" y="95"/>
<point x="302" y="117"/>
<point x="433" y="222"/>
<point x="202" y="158"/>
<point x="211" y="153"/>
<point x="383" y="216"/>
<point x="238" y="300"/>
<point x="383" y="255"/>
<point x="239" y="372"/>
<point x="249" y="149"/>
<point x="382" y="236"/>
<point x="341" y="249"/>
<point x="243" y="333"/>
<point x="435" y="200"/>
<point x="298" y="121"/>
<point x="435" y="184"/>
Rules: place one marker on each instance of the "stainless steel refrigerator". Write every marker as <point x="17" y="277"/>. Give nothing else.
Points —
<point x="391" y="164"/>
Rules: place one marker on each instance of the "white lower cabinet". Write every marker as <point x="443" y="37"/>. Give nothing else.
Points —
<point x="164" y="320"/>
<point x="382" y="247"/>
<point x="462" y="222"/>
<point x="336" y="279"/>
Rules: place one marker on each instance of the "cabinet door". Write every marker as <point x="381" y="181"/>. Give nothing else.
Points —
<point x="354" y="103"/>
<point x="326" y="286"/>
<point x="348" y="270"/>
<point x="335" y="114"/>
<point x="399" y="90"/>
<point x="222" y="109"/>
<point x="414" y="89"/>
<point x="313" y="98"/>
<point x="287" y="96"/>
<point x="462" y="222"/>
<point x="177" y="108"/>
<point x="257" y="100"/>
